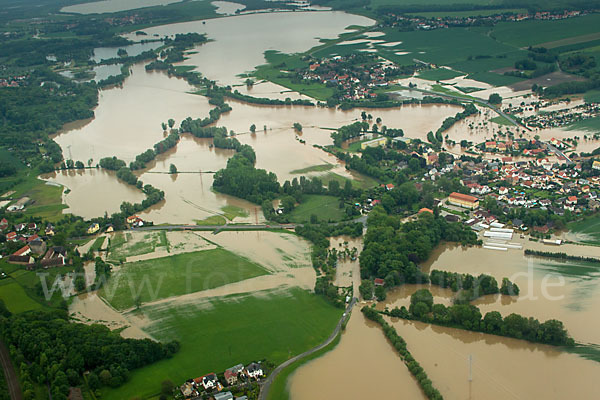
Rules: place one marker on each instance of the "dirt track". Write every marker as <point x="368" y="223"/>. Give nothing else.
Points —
<point x="14" y="388"/>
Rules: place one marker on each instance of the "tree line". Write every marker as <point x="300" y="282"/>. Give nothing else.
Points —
<point x="399" y="345"/>
<point x="47" y="348"/>
<point x="469" y="317"/>
<point x="560" y="256"/>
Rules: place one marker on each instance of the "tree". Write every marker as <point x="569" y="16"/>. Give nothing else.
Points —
<point x="422" y="295"/>
<point x="495" y="98"/>
<point x="508" y="288"/>
<point x="164" y="126"/>
<point x="253" y="128"/>
<point x="493" y="322"/>
<point x="171" y="123"/>
<point x="380" y="293"/>
<point x="297" y="127"/>
<point x="366" y="289"/>
<point x="173" y="169"/>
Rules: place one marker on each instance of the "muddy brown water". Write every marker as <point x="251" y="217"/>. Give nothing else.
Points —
<point x="363" y="365"/>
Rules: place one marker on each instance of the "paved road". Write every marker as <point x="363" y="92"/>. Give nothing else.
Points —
<point x="558" y="152"/>
<point x="14" y="389"/>
<point x="264" y="390"/>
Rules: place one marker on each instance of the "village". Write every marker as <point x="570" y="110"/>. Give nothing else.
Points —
<point x="211" y="386"/>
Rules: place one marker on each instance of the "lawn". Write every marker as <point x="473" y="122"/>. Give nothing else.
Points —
<point x="176" y="275"/>
<point x="15" y="298"/>
<point x="439" y="74"/>
<point x="326" y="208"/>
<point x="97" y="245"/>
<point x="589" y="228"/>
<point x="220" y="332"/>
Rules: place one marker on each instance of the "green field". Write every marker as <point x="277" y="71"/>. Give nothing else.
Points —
<point x="220" y="332"/>
<point x="590" y="125"/>
<point x="326" y="208"/>
<point x="588" y="230"/>
<point x="314" y="168"/>
<point x="232" y="212"/>
<point x="15" y="298"/>
<point x="127" y="244"/>
<point x="464" y="14"/>
<point x="212" y="220"/>
<point x="439" y="74"/>
<point x="593" y="96"/>
<point x="536" y="32"/>
<point x="176" y="275"/>
<point x="97" y="245"/>
<point x="360" y="181"/>
<point x="500" y="120"/>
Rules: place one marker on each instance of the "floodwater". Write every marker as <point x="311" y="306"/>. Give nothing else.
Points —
<point x="347" y="270"/>
<point x="502" y="368"/>
<point x="111" y="6"/>
<point x="135" y="49"/>
<point x="548" y="289"/>
<point x="93" y="191"/>
<point x="128" y="119"/>
<point x="227" y="7"/>
<point x="102" y="72"/>
<point x="240" y="41"/>
<point x="362" y="366"/>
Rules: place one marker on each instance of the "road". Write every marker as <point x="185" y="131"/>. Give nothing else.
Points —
<point x="14" y="389"/>
<point x="264" y="390"/>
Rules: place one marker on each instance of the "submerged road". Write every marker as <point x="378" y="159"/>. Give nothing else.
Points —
<point x="264" y="390"/>
<point x="14" y="389"/>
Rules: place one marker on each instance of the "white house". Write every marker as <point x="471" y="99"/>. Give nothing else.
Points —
<point x="254" y="370"/>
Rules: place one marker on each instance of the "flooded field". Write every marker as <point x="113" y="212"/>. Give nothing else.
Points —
<point x="548" y="288"/>
<point x="92" y="192"/>
<point x="231" y="54"/>
<point x="111" y="6"/>
<point x="361" y="365"/>
<point x="503" y="368"/>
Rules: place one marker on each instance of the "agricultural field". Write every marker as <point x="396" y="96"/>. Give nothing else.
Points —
<point x="217" y="333"/>
<point x="326" y="208"/>
<point x="589" y="125"/>
<point x="439" y="74"/>
<point x="586" y="231"/>
<point x="593" y="96"/>
<point x="129" y="244"/>
<point x="160" y="278"/>
<point x="15" y="298"/>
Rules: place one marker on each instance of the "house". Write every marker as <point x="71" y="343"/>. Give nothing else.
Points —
<point x="463" y="200"/>
<point x="254" y="370"/>
<point x="231" y="374"/>
<point x="32" y="238"/>
<point x="23" y="251"/>
<point x="379" y="282"/>
<point x="596" y="165"/>
<point x="541" y="229"/>
<point x="422" y="210"/>
<point x="93" y="228"/>
<point x="20" y="227"/>
<point x="11" y="236"/>
<point x="20" y="260"/>
<point x="55" y="256"/>
<point x="432" y="159"/>
<point x="223" y="396"/>
<point x="571" y="200"/>
<point x="32" y="226"/>
<point x="132" y="219"/>
<point x="381" y="141"/>
<point x="110" y="228"/>
<point x="208" y="381"/>
<point x="49" y="230"/>
<point x="3" y="224"/>
<point x="503" y="190"/>
<point x="38" y="246"/>
<point x="389" y="186"/>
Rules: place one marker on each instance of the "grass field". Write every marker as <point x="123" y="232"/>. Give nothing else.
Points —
<point x="15" y="297"/>
<point x="463" y="14"/>
<point x="314" y="168"/>
<point x="360" y="181"/>
<point x="326" y="208"/>
<point x="232" y="212"/>
<point x="592" y="96"/>
<point x="439" y="74"/>
<point x="588" y="229"/>
<point x="222" y="332"/>
<point x="535" y="32"/>
<point x="97" y="245"/>
<point x="212" y="220"/>
<point x="176" y="275"/>
<point x="590" y="125"/>
<point x="279" y="387"/>
<point x="127" y="244"/>
<point x="500" y="120"/>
